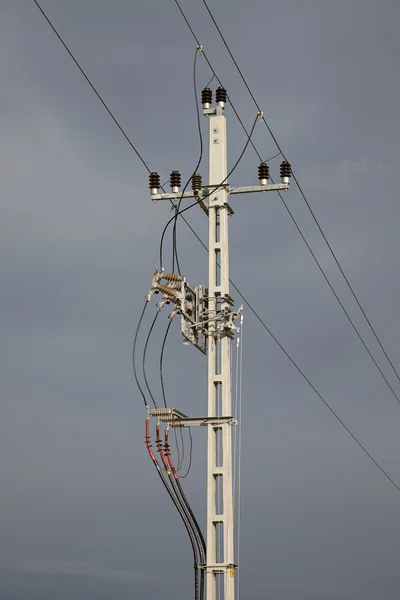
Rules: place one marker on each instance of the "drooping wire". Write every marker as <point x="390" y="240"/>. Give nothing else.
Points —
<point x="134" y="355"/>
<point x="333" y="254"/>
<point x="144" y="357"/>
<point x="175" y="252"/>
<point x="180" y="460"/>
<point x="162" y="361"/>
<point x="212" y="191"/>
<point x="190" y="454"/>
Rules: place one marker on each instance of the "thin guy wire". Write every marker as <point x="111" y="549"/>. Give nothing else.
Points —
<point x="303" y="195"/>
<point x="235" y="414"/>
<point x="240" y="452"/>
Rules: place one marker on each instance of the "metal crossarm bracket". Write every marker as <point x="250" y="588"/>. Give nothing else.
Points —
<point x="176" y="418"/>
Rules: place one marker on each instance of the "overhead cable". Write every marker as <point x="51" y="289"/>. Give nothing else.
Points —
<point x="303" y="195"/>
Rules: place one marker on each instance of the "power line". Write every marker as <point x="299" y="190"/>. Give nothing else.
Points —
<point x="303" y="194"/>
<point x="313" y="387"/>
<point x="290" y="213"/>
<point x="111" y="114"/>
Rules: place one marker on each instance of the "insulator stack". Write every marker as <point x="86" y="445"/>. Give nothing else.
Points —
<point x="172" y="276"/>
<point x="196" y="182"/>
<point x="154" y="182"/>
<point x="221" y="96"/>
<point x="286" y="171"/>
<point x="206" y="98"/>
<point x="263" y="173"/>
<point x="175" y="181"/>
<point x="167" y="292"/>
<point x="161" y="412"/>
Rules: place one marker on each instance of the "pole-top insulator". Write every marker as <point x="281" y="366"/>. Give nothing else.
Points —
<point x="220" y="96"/>
<point x="154" y="182"/>
<point x="175" y="181"/>
<point x="285" y="171"/>
<point x="196" y="182"/>
<point x="263" y="173"/>
<point x="206" y="97"/>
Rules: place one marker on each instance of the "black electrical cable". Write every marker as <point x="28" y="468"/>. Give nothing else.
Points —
<point x="190" y="455"/>
<point x="134" y="355"/>
<point x="184" y="519"/>
<point x="303" y="196"/>
<point x="144" y="357"/>
<point x="161" y="363"/>
<point x="182" y="495"/>
<point x="174" y="251"/>
<point x="182" y="457"/>
<point x="214" y="189"/>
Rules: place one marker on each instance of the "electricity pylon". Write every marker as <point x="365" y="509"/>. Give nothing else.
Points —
<point x="208" y="322"/>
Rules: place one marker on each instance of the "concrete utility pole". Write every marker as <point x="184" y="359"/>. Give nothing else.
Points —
<point x="208" y="322"/>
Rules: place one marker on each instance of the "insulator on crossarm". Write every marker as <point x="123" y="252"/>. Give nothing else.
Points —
<point x="221" y="96"/>
<point x="196" y="182"/>
<point x="206" y="98"/>
<point x="175" y="181"/>
<point x="154" y="182"/>
<point x="263" y="173"/>
<point x="286" y="171"/>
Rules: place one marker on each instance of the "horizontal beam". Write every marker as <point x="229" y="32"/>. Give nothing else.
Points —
<point x="250" y="189"/>
<point x="178" y="419"/>
<point x="179" y="196"/>
<point x="172" y="196"/>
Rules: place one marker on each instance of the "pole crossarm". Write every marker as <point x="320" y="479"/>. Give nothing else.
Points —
<point x="247" y="189"/>
<point x="176" y="418"/>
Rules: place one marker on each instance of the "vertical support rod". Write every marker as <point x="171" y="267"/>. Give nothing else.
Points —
<point x="220" y="522"/>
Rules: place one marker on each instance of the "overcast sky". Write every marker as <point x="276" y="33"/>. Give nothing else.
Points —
<point x="82" y="513"/>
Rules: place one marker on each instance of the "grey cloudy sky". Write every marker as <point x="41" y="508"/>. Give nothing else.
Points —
<point x="82" y="513"/>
